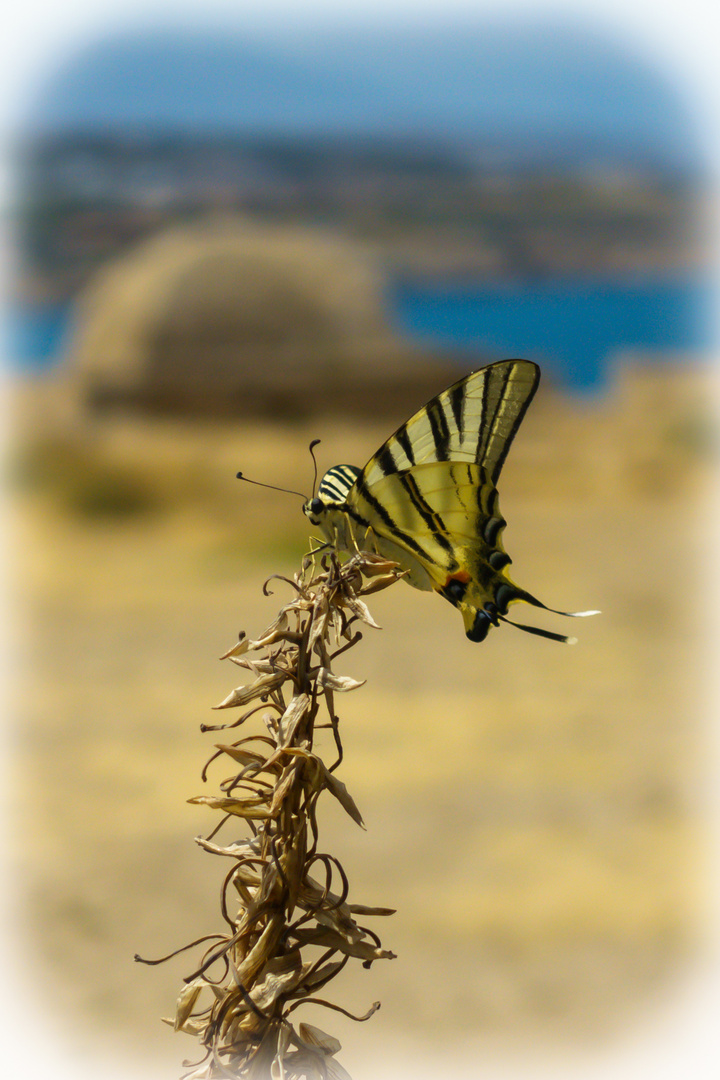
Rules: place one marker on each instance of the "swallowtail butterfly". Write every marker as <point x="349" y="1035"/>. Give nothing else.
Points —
<point x="428" y="498"/>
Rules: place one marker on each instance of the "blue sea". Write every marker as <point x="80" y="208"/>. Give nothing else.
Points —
<point x="574" y="329"/>
<point x="34" y="335"/>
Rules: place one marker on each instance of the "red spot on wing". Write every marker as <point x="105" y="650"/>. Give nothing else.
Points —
<point x="460" y="575"/>
<point x="455" y="586"/>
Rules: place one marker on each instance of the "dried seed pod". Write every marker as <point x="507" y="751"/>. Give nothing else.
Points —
<point x="245" y="1028"/>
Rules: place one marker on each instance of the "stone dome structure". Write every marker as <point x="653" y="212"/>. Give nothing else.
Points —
<point x="231" y="317"/>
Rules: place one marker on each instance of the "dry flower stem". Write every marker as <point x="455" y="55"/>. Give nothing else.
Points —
<point x="291" y="929"/>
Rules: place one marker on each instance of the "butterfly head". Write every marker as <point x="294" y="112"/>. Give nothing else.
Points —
<point x="314" y="509"/>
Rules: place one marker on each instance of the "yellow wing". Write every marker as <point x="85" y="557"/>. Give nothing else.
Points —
<point x="429" y="498"/>
<point x="441" y="522"/>
<point x="474" y="420"/>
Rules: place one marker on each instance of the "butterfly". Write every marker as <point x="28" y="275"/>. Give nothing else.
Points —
<point x="428" y="498"/>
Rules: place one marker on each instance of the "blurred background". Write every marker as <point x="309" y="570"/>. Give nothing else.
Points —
<point x="229" y="235"/>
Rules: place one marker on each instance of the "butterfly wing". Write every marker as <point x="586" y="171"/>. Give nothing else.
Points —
<point x="474" y="420"/>
<point x="429" y="494"/>
<point x="441" y="522"/>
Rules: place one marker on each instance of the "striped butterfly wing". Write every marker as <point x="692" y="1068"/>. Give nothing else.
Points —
<point x="429" y="494"/>
<point x="474" y="420"/>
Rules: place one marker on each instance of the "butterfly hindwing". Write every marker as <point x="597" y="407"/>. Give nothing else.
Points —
<point x="442" y="523"/>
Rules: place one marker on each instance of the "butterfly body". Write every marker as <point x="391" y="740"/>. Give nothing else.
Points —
<point x="428" y="498"/>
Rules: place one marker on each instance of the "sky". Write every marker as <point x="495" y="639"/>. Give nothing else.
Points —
<point x="679" y="36"/>
<point x="536" y="87"/>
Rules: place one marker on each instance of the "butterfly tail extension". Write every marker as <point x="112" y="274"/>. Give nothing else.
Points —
<point x="478" y="620"/>
<point x="528" y="598"/>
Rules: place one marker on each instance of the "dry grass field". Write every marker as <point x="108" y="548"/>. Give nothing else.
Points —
<point x="530" y="807"/>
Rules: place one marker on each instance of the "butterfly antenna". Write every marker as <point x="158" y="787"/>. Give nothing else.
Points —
<point x="311" y="448"/>
<point x="272" y="487"/>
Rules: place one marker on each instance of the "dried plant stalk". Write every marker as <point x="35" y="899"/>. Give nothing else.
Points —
<point x="291" y="928"/>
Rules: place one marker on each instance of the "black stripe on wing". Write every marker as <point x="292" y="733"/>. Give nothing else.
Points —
<point x="384" y="458"/>
<point x="404" y="440"/>
<point x="493" y="398"/>
<point x="456" y="394"/>
<point x="507" y="393"/>
<point x="440" y="429"/>
<point x="432" y="519"/>
<point x="495" y="471"/>
<point x="384" y="515"/>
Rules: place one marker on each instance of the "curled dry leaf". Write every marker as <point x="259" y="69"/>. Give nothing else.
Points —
<point x="313" y="1036"/>
<point x="242" y="645"/>
<point x="278" y="978"/>
<point x="240" y="849"/>
<point x="247" y="808"/>
<point x="317" y="977"/>
<point x="320" y="619"/>
<point x="339" y="942"/>
<point x="257" y="667"/>
<point x="186" y="1002"/>
<point x="260" y="688"/>
<point x="319" y="776"/>
<point x="343" y="796"/>
<point x="382" y="581"/>
<point x="292" y="716"/>
<point x="359" y="608"/>
<point x="373" y="564"/>
<point x="328" y="681"/>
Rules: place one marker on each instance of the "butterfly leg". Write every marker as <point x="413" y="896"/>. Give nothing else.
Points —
<point x="370" y="541"/>
<point x="323" y="546"/>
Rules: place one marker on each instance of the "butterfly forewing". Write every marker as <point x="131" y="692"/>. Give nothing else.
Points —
<point x="474" y="420"/>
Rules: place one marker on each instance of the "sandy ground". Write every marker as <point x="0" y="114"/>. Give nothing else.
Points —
<point x="530" y="807"/>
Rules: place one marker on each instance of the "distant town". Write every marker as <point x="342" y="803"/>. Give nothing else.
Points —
<point x="425" y="211"/>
